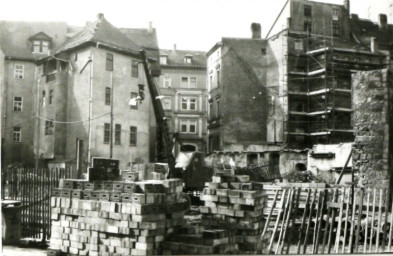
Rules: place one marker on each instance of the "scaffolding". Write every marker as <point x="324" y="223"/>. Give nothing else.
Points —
<point x="319" y="88"/>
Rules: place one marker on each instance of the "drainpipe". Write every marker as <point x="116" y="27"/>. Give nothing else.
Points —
<point x="37" y="121"/>
<point x="90" y="108"/>
<point x="111" y="123"/>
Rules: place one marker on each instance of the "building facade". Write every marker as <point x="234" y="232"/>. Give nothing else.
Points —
<point x="90" y="99"/>
<point x="184" y="96"/>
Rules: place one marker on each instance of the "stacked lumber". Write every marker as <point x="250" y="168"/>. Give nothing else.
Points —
<point x="196" y="241"/>
<point x="115" y="217"/>
<point x="148" y="171"/>
<point x="234" y="203"/>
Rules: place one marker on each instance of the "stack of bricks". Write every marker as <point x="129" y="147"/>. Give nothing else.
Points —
<point x="193" y="240"/>
<point x="149" y="171"/>
<point x="115" y="217"/>
<point x="234" y="203"/>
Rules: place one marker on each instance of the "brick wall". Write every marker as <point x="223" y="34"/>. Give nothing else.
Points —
<point x="371" y="103"/>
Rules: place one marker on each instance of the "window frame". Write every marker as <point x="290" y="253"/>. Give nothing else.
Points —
<point x="42" y="46"/>
<point x="188" y="103"/>
<point x="169" y="101"/>
<point x="307" y="10"/>
<point x="51" y="97"/>
<point x="108" y="96"/>
<point x="187" y="123"/>
<point x="165" y="80"/>
<point x="18" y="104"/>
<point x="134" y="68"/>
<point x="187" y="85"/>
<point x="163" y="60"/>
<point x="109" y="62"/>
<point x="19" y="71"/>
<point x="49" y="127"/>
<point x="107" y="133"/>
<point x="117" y="134"/>
<point x="134" y="95"/>
<point x="133" y="140"/>
<point x="17" y="134"/>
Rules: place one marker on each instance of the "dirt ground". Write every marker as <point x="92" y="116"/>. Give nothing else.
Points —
<point x="16" y="251"/>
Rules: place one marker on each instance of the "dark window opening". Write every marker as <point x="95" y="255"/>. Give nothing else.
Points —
<point x="117" y="134"/>
<point x="109" y="62"/>
<point x="307" y="26"/>
<point x="335" y="29"/>
<point x="188" y="148"/>
<point x="263" y="51"/>
<point x="50" y="97"/>
<point x="133" y="135"/>
<point x="49" y="127"/>
<point x="134" y="68"/>
<point x="107" y="132"/>
<point x="307" y="11"/>
<point x="108" y="93"/>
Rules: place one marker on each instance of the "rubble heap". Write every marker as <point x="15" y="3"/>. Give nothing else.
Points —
<point x="115" y="217"/>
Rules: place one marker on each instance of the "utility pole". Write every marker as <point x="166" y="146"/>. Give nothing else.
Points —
<point x="37" y="121"/>
<point x="90" y="109"/>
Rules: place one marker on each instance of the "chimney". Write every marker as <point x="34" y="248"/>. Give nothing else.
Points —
<point x="374" y="45"/>
<point x="383" y="21"/>
<point x="289" y="23"/>
<point x="256" y="30"/>
<point x="347" y="6"/>
<point x="150" y="27"/>
<point x="174" y="47"/>
<point x="100" y="16"/>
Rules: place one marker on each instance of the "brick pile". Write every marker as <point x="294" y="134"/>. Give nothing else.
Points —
<point x="234" y="203"/>
<point x="115" y="217"/>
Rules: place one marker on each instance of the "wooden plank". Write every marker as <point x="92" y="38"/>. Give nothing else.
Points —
<point x="309" y="221"/>
<point x="288" y="218"/>
<point x="267" y="223"/>
<point x="379" y="219"/>
<point x="338" y="232"/>
<point x="352" y="230"/>
<point x="277" y="220"/>
<point x="367" y="215"/>
<point x="372" y="219"/>
<point x="391" y="227"/>
<point x="346" y="222"/>
<point x="303" y="221"/>
<point x="330" y="224"/>
<point x="289" y="198"/>
<point x="359" y="220"/>
<point x="323" y="203"/>
<point x="385" y="221"/>
<point x="316" y="222"/>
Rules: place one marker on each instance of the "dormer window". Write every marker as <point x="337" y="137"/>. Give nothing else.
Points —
<point x="40" y="46"/>
<point x="163" y="60"/>
<point x="40" y="43"/>
<point x="188" y="59"/>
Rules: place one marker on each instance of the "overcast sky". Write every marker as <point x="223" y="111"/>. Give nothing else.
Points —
<point x="190" y="24"/>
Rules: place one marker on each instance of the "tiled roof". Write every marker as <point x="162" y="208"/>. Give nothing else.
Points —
<point x="101" y="31"/>
<point x="14" y="37"/>
<point x="176" y="58"/>
<point x="365" y="29"/>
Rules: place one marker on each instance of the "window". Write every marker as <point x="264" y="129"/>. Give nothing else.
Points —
<point x="307" y="26"/>
<point x="17" y="134"/>
<point x="133" y="135"/>
<point x="18" y="104"/>
<point x="134" y="102"/>
<point x="263" y="51"/>
<point x="48" y="127"/>
<point x="167" y="81"/>
<point x="167" y="104"/>
<point x="307" y="10"/>
<point x="109" y="62"/>
<point x="19" y="71"/>
<point x="336" y="13"/>
<point x="188" y="126"/>
<point x="188" y="103"/>
<point x="40" y="46"/>
<point x="43" y="98"/>
<point x="335" y="28"/>
<point x="218" y="77"/>
<point x="134" y="68"/>
<point x="187" y="59"/>
<point x="107" y="133"/>
<point x="108" y="93"/>
<point x="218" y="108"/>
<point x="188" y="82"/>
<point x="50" y="97"/>
<point x="298" y="46"/>
<point x="163" y="60"/>
<point x="117" y="134"/>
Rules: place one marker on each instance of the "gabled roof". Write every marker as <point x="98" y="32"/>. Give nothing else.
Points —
<point x="14" y="37"/>
<point x="176" y="58"/>
<point x="365" y="29"/>
<point x="40" y="35"/>
<point x="102" y="32"/>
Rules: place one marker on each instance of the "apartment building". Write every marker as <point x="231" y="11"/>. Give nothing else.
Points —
<point x="182" y="85"/>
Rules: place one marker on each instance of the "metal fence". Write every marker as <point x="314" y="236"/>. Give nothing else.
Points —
<point x="33" y="188"/>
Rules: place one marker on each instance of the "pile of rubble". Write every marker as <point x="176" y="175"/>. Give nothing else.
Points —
<point x="115" y="217"/>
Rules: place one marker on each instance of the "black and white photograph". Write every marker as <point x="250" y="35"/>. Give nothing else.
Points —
<point x="184" y="127"/>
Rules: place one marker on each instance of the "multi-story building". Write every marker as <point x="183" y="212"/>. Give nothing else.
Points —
<point x="301" y="94"/>
<point x="88" y="98"/>
<point x="183" y="87"/>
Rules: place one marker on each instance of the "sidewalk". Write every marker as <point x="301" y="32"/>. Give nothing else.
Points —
<point x="17" y="251"/>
